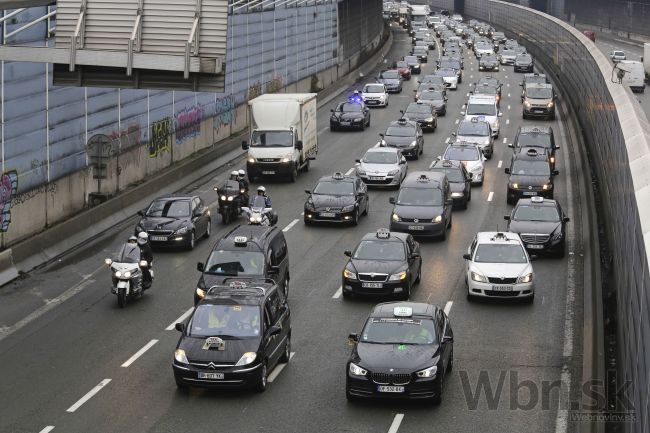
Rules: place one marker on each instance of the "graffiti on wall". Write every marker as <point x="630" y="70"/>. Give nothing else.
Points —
<point x="8" y="189"/>
<point x="225" y="113"/>
<point x="127" y="137"/>
<point x="161" y="137"/>
<point x="28" y="195"/>
<point x="254" y="90"/>
<point x="188" y="123"/>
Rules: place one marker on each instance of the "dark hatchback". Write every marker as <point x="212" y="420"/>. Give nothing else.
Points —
<point x="404" y="351"/>
<point x="488" y="63"/>
<point x="524" y="63"/>
<point x="234" y="338"/>
<point x="337" y="198"/>
<point x="175" y="220"/>
<point x="350" y="115"/>
<point x="460" y="183"/>
<point x="422" y="113"/>
<point x="435" y="98"/>
<point x="414" y="64"/>
<point x="530" y="175"/>
<point x="541" y="137"/>
<point x="392" y="79"/>
<point x="541" y="225"/>
<point x="405" y="135"/>
<point x="383" y="263"/>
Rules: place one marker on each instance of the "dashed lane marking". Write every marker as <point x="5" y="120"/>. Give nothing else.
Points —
<point x="504" y="140"/>
<point x="457" y="121"/>
<point x="447" y="140"/>
<point x="349" y="172"/>
<point x="139" y="353"/>
<point x="88" y="396"/>
<point x="396" y="423"/>
<point x="47" y="429"/>
<point x="507" y="121"/>
<point x="184" y="316"/>
<point x="448" y="307"/>
<point x="278" y="369"/>
<point x="490" y="196"/>
<point x="499" y="164"/>
<point x="339" y="291"/>
<point x="291" y="224"/>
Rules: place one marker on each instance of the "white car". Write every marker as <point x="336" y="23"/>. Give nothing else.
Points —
<point x="382" y="166"/>
<point x="375" y="95"/>
<point x="507" y="57"/>
<point x="617" y="55"/>
<point x="498" y="266"/>
<point x="450" y="76"/>
<point x="471" y="156"/>
<point x="478" y="132"/>
<point x="485" y="107"/>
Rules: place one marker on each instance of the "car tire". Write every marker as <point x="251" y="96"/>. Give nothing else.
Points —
<point x="307" y="221"/>
<point x="465" y="203"/>
<point x="469" y="196"/>
<point x="407" y="293"/>
<point x="561" y="252"/>
<point x="286" y="355"/>
<point x="422" y="150"/>
<point x="470" y="298"/>
<point x="293" y="176"/>
<point x="261" y="384"/>
<point x="286" y="286"/>
<point x="365" y="212"/>
<point x="355" y="219"/>
<point x="208" y="229"/>
<point x="225" y="218"/>
<point x="305" y="168"/>
<point x="192" y="241"/>
<point x="346" y="294"/>
<point x="451" y="220"/>
<point x="450" y="364"/>
<point x="443" y="236"/>
<point x="530" y="299"/>
<point x="417" y="155"/>
<point x="439" y="388"/>
<point x="121" y="297"/>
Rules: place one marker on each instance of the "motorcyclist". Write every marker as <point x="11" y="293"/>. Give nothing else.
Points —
<point x="262" y="191"/>
<point x="146" y="253"/>
<point x="243" y="184"/>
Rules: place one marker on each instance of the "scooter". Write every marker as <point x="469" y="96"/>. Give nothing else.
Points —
<point x="229" y="200"/>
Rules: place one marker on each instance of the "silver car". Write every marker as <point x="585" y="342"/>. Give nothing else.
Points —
<point x="507" y="57"/>
<point x="617" y="56"/>
<point x="478" y="132"/>
<point x="382" y="166"/>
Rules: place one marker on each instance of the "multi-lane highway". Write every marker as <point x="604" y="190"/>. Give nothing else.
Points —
<point x="88" y="366"/>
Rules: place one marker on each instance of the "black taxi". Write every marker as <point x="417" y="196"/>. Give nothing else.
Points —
<point x="538" y="136"/>
<point x="530" y="175"/>
<point x="460" y="181"/>
<point x="337" y="198"/>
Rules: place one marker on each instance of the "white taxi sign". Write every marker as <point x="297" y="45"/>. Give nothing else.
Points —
<point x="403" y="311"/>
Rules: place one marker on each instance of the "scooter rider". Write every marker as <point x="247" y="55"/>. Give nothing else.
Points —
<point x="262" y="191"/>
<point x="146" y="253"/>
<point x="243" y="184"/>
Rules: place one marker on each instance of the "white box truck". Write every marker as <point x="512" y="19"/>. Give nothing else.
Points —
<point x="283" y="135"/>
<point x="634" y="75"/>
<point x="646" y="60"/>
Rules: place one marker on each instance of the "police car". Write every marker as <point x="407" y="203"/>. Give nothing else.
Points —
<point x="530" y="175"/>
<point x="337" y="198"/>
<point x="498" y="266"/>
<point x="383" y="263"/>
<point x="404" y="350"/>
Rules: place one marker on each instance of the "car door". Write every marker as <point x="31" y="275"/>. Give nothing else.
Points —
<point x="277" y="311"/>
<point x="415" y="263"/>
<point x="205" y="217"/>
<point x="446" y="332"/>
<point x="196" y="218"/>
<point x="361" y="193"/>
<point x="470" y="251"/>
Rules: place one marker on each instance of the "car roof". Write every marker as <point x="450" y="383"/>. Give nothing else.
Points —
<point x="545" y="202"/>
<point x="338" y="177"/>
<point x="255" y="237"/>
<point x="483" y="98"/>
<point x="446" y="164"/>
<point x="497" y="238"/>
<point x="403" y="123"/>
<point x="530" y="154"/>
<point x="532" y="129"/>
<point x="415" y="178"/>
<point x="169" y="197"/>
<point x="539" y="86"/>
<point x="386" y="149"/>
<point x="386" y="309"/>
<point x="394" y="236"/>
<point x="247" y="291"/>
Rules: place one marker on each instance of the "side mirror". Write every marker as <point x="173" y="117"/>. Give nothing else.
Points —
<point x="307" y="191"/>
<point x="507" y="170"/>
<point x="274" y="330"/>
<point x="381" y="135"/>
<point x="141" y="212"/>
<point x="353" y="337"/>
<point x="402" y="161"/>
<point x="332" y="110"/>
<point x="299" y="145"/>
<point x="532" y="258"/>
<point x="555" y="172"/>
<point x="521" y="84"/>
<point x="197" y="212"/>
<point x="511" y="145"/>
<point x="244" y="145"/>
<point x="566" y="219"/>
<point x="273" y="270"/>
<point x="200" y="266"/>
<point x="180" y="327"/>
<point x="506" y="217"/>
<point x="467" y="256"/>
<point x="358" y="161"/>
<point x="348" y="253"/>
<point x="447" y="339"/>
<point x="391" y="200"/>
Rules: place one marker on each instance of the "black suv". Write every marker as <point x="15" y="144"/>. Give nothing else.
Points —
<point x="524" y="63"/>
<point x="541" y="137"/>
<point x="337" y="198"/>
<point x="541" y="225"/>
<point x="353" y="115"/>
<point x="459" y="179"/>
<point x="235" y="336"/>
<point x="249" y="251"/>
<point x="530" y="175"/>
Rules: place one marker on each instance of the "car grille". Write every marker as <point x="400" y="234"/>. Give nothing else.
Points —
<point x="500" y="294"/>
<point x="373" y="278"/>
<point x="378" y="182"/>
<point x="329" y="209"/>
<point x="395" y="379"/>
<point x="499" y="280"/>
<point x="419" y="220"/>
<point x="159" y="232"/>
<point x="217" y="365"/>
<point x="268" y="159"/>
<point x="532" y="238"/>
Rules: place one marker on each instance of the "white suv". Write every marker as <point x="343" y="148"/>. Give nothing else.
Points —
<point x="498" y="266"/>
<point x="375" y="95"/>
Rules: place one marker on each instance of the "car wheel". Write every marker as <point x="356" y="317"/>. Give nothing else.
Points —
<point x="465" y="203"/>
<point x="450" y="364"/>
<point x="181" y="386"/>
<point x="307" y="221"/>
<point x="121" y="297"/>
<point x="286" y="286"/>
<point x="451" y="219"/>
<point x="469" y="195"/>
<point x="306" y="167"/>
<point x="208" y="229"/>
<point x="530" y="299"/>
<point x="294" y="174"/>
<point x="192" y="241"/>
<point x="438" y="387"/>
<point x="422" y="150"/>
<point x="365" y="212"/>
<point x="286" y="355"/>
<point x="362" y="127"/>
<point x="261" y="384"/>
<point x="562" y="250"/>
<point x="443" y="236"/>
<point x="355" y="219"/>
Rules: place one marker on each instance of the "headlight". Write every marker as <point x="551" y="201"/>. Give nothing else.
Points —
<point x="118" y="274"/>
<point x="398" y="276"/>
<point x="428" y="372"/>
<point x="246" y="358"/>
<point x="514" y="185"/>
<point x="309" y="204"/>
<point x="552" y="159"/>
<point x="180" y="356"/>
<point x="413" y="143"/>
<point x="557" y="236"/>
<point x="355" y="370"/>
<point x="429" y="119"/>
<point x="127" y="274"/>
<point x="361" y="172"/>
<point x="478" y="277"/>
<point x="393" y="172"/>
<point x="525" y="278"/>
<point x="547" y="186"/>
<point x="527" y="104"/>
<point x="456" y="194"/>
<point x="182" y="230"/>
<point x="255" y="219"/>
<point x="230" y="198"/>
<point x="550" y="104"/>
<point x="251" y="160"/>
<point x="396" y="217"/>
<point x="200" y="292"/>
<point x="437" y="219"/>
<point x="143" y="263"/>
<point x="223" y="198"/>
<point x="349" y="275"/>
<point x="286" y="159"/>
<point x="349" y="208"/>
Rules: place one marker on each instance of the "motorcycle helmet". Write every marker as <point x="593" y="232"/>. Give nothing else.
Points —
<point x="132" y="239"/>
<point x="261" y="189"/>
<point x="242" y="173"/>
<point x="143" y="238"/>
<point x="234" y="173"/>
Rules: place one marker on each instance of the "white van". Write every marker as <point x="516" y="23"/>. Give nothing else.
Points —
<point x="484" y="107"/>
<point x="634" y="74"/>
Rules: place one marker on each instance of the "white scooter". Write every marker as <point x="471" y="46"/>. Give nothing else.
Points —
<point x="258" y="214"/>
<point x="127" y="274"/>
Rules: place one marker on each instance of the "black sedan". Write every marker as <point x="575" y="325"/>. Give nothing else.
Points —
<point x="337" y="198"/>
<point x="541" y="224"/>
<point x="405" y="135"/>
<point x="524" y="63"/>
<point x="383" y="263"/>
<point x="175" y="220"/>
<point x="460" y="182"/>
<point x="404" y="351"/>
<point x="414" y="64"/>
<point x="488" y="63"/>
<point x="422" y="113"/>
<point x="352" y="115"/>
<point x="435" y="98"/>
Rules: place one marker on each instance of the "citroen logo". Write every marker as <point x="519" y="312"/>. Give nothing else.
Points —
<point x="415" y="220"/>
<point x="372" y="274"/>
<point x="212" y="366"/>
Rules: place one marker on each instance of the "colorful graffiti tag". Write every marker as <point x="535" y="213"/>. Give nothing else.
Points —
<point x="161" y="137"/>
<point x="8" y="189"/>
<point x="225" y="113"/>
<point x="128" y="137"/>
<point x="188" y="123"/>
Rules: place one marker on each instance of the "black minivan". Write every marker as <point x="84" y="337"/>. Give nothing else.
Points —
<point x="248" y="251"/>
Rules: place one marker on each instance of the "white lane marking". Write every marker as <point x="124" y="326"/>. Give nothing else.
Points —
<point x="339" y="292"/>
<point x="467" y="94"/>
<point x="180" y="319"/>
<point x="139" y="353"/>
<point x="396" y="422"/>
<point x="490" y="195"/>
<point x="499" y="164"/>
<point x="508" y="85"/>
<point x="506" y="77"/>
<point x="508" y="95"/>
<point x="323" y="130"/>
<point x="49" y="304"/>
<point x="291" y="224"/>
<point x="377" y="145"/>
<point x="457" y="120"/>
<point x="447" y="140"/>
<point x="47" y="429"/>
<point x="507" y="121"/>
<point x="504" y="140"/>
<point x="88" y="396"/>
<point x="448" y="307"/>
<point x="302" y="213"/>
<point x="508" y="107"/>
<point x="471" y="76"/>
<point x="276" y="371"/>
<point x="349" y="172"/>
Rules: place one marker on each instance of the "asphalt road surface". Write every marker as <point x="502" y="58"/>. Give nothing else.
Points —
<point x="72" y="368"/>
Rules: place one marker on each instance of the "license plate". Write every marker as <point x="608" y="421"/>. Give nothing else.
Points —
<point x="534" y="247"/>
<point x="345" y="123"/>
<point x="530" y="193"/>
<point x="502" y="288"/>
<point x="416" y="227"/>
<point x="372" y="285"/>
<point x="538" y="110"/>
<point x="268" y="172"/>
<point x="386" y="388"/>
<point x="376" y="178"/>
<point x="372" y="102"/>
<point x="327" y="214"/>
<point x="158" y="238"/>
<point x="216" y="376"/>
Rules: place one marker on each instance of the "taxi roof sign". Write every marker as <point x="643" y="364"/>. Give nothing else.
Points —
<point x="531" y="152"/>
<point x="241" y="240"/>
<point x="403" y="311"/>
<point x="383" y="234"/>
<point x="423" y="178"/>
<point x="338" y="175"/>
<point x="537" y="199"/>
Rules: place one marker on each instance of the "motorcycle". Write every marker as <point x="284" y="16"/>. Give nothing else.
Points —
<point x="258" y="213"/>
<point x="230" y="195"/>
<point x="127" y="275"/>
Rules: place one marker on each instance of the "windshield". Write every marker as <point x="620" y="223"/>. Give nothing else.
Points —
<point x="531" y="168"/>
<point x="379" y="250"/>
<point x="349" y="107"/>
<point x="390" y="74"/>
<point x="411" y="59"/>
<point x="537" y="213"/>
<point x="508" y="53"/>
<point x="452" y="64"/>
<point x="373" y="88"/>
<point x="534" y="140"/>
<point x="402" y="65"/>
<point x="399" y="331"/>
<point x="486" y="90"/>
<point x="400" y="131"/>
<point x="431" y="79"/>
<point x="484" y="109"/>
<point x="226" y="321"/>
<point x="235" y="263"/>
<point x="257" y="201"/>
<point x="432" y="95"/>
<point x="524" y="58"/>
<point x="537" y="93"/>
<point x="334" y="188"/>
<point x="418" y="108"/>
<point x="420" y="49"/>
<point x="500" y="253"/>
<point x="446" y="72"/>
<point x="419" y="197"/>
<point x="489" y="81"/>
<point x="453" y="174"/>
<point x="535" y="80"/>
<point x="380" y="158"/>
<point x="130" y="253"/>
<point x="272" y="139"/>
<point x="465" y="153"/>
<point x="474" y="129"/>
<point x="169" y="209"/>
<point x="488" y="59"/>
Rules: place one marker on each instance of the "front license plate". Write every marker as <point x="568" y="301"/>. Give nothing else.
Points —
<point x="386" y="388"/>
<point x="327" y="214"/>
<point x="215" y="376"/>
<point x="502" y="288"/>
<point x="416" y="227"/>
<point x="535" y="247"/>
<point x="268" y="172"/>
<point x="372" y="285"/>
<point x="530" y="193"/>
<point x="158" y="238"/>
<point x="345" y="123"/>
<point x="376" y="178"/>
